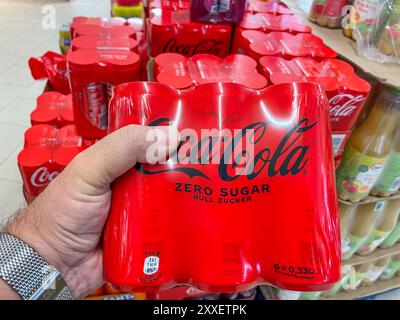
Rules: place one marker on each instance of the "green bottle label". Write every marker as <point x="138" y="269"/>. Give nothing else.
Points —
<point x="373" y="241"/>
<point x="389" y="180"/>
<point x="353" y="243"/>
<point x="393" y="237"/>
<point x="390" y="270"/>
<point x="358" y="172"/>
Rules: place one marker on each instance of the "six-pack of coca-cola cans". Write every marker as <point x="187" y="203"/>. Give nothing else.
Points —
<point x="269" y="46"/>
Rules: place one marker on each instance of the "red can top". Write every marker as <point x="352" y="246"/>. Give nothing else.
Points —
<point x="104" y="57"/>
<point x="268" y="22"/>
<point x="116" y="43"/>
<point x="99" y="21"/>
<point x="46" y="135"/>
<point x="273" y="7"/>
<point x="332" y="74"/>
<point x="181" y="72"/>
<point x="181" y="18"/>
<point x="108" y="31"/>
<point x="286" y="44"/>
<point x="170" y="4"/>
<point x="51" y="106"/>
<point x="35" y="156"/>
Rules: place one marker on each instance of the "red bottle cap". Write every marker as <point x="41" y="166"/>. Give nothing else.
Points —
<point x="181" y="72"/>
<point x="268" y="22"/>
<point x="287" y="45"/>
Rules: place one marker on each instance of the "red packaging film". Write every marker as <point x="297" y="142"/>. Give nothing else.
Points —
<point x="346" y="91"/>
<point x="54" y="109"/>
<point x="110" y="32"/>
<point x="223" y="224"/>
<point x="173" y="31"/>
<point x="267" y="23"/>
<point x="93" y="77"/>
<point x="258" y="44"/>
<point x="181" y="73"/>
<point x="101" y="22"/>
<point x="98" y="43"/>
<point x="47" y="151"/>
<point x="51" y="66"/>
<point x="272" y="7"/>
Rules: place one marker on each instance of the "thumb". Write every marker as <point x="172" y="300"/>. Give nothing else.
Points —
<point x="97" y="167"/>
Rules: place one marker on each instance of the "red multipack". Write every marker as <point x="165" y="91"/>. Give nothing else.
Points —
<point x="93" y="75"/>
<point x="220" y="200"/>
<point x="164" y="4"/>
<point x="94" y="22"/>
<point x="257" y="44"/>
<point x="272" y="7"/>
<point x="53" y="108"/>
<point x="47" y="151"/>
<point x="268" y="22"/>
<point x="182" y="73"/>
<point x="101" y="43"/>
<point x="346" y="91"/>
<point x="173" y="31"/>
<point x="51" y="66"/>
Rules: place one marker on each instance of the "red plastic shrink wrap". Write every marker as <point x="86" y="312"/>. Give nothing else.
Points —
<point x="226" y="226"/>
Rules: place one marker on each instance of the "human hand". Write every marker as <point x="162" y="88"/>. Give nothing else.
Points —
<point x="65" y="223"/>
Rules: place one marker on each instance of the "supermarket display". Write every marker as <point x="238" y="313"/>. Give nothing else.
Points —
<point x="93" y="74"/>
<point x="51" y="66"/>
<point x="53" y="108"/>
<point x="346" y="91"/>
<point x="47" y="151"/>
<point x="262" y="97"/>
<point x="268" y="22"/>
<point x="382" y="230"/>
<point x="217" y="11"/>
<point x="173" y="31"/>
<point x="328" y="13"/>
<point x="393" y="237"/>
<point x="391" y="268"/>
<point x="182" y="73"/>
<point x="365" y="218"/>
<point x="375" y="271"/>
<point x="296" y="151"/>
<point x="257" y="44"/>
<point x="368" y="148"/>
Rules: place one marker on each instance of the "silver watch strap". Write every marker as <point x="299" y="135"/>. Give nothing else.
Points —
<point x="28" y="273"/>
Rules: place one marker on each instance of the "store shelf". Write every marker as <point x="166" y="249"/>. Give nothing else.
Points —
<point x="387" y="73"/>
<point x="378" y="287"/>
<point x="377" y="254"/>
<point x="372" y="199"/>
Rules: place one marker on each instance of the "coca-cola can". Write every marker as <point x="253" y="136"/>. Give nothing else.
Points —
<point x="54" y="109"/>
<point x="173" y="31"/>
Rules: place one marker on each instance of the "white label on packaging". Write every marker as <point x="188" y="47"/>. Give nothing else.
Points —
<point x="151" y="265"/>
<point x="337" y="141"/>
<point x="369" y="177"/>
<point x="288" y="295"/>
<point x="379" y="205"/>
<point x="395" y="185"/>
<point x="373" y="274"/>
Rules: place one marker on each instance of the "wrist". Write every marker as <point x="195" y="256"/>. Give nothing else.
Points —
<point x="28" y="226"/>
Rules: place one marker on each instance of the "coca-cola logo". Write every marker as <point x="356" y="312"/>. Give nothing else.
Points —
<point x="41" y="177"/>
<point x="289" y="157"/>
<point x="205" y="46"/>
<point x="344" y="105"/>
